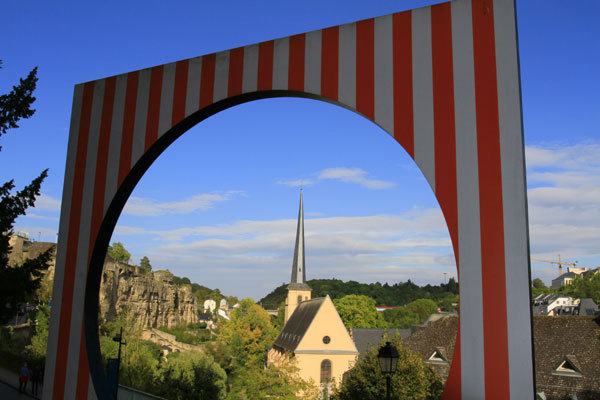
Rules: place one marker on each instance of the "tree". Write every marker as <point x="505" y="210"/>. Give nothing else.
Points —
<point x="145" y="264"/>
<point x="118" y="252"/>
<point x="401" y="317"/>
<point x="248" y="335"/>
<point x="410" y="381"/>
<point x="18" y="283"/>
<point x="538" y="283"/>
<point x="39" y="341"/>
<point x="423" y="307"/>
<point x="193" y="375"/>
<point x="359" y="311"/>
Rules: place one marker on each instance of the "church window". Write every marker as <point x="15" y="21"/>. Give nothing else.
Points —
<point x="325" y="371"/>
<point x="326" y="339"/>
<point x="300" y="299"/>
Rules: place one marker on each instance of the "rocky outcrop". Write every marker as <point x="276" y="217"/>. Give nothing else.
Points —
<point x="150" y="298"/>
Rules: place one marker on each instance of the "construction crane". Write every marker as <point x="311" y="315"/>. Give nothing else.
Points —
<point x="559" y="262"/>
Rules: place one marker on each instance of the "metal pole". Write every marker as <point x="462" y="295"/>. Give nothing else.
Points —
<point x="388" y="379"/>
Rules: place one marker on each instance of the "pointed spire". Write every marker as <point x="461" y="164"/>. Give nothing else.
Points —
<point x="299" y="267"/>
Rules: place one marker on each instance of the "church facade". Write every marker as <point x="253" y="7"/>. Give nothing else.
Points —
<point x="313" y="333"/>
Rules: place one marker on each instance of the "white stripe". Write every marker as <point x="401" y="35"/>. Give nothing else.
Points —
<point x="384" y="73"/>
<point x="192" y="99"/>
<point x="250" y="72"/>
<point x="514" y="202"/>
<point x="467" y="177"/>
<point x="91" y="392"/>
<point x="312" y="63"/>
<point x="114" y="146"/>
<point x="423" y="93"/>
<point x="61" y="250"/>
<point x="281" y="62"/>
<point x="347" y="65"/>
<point x="166" y="98"/>
<point x="141" y="115"/>
<point x="221" y="76"/>
<point x="83" y="242"/>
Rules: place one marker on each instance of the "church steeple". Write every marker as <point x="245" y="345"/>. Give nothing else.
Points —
<point x="298" y="290"/>
<point x="298" y="266"/>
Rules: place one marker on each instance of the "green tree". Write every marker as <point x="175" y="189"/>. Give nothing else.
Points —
<point x="39" y="340"/>
<point x="359" y="311"/>
<point x="192" y="375"/>
<point x="423" y="307"/>
<point x="588" y="287"/>
<point x="410" y="381"/>
<point x="117" y="252"/>
<point x="401" y="317"/>
<point x="248" y="335"/>
<point x="538" y="283"/>
<point x="18" y="284"/>
<point x="145" y="263"/>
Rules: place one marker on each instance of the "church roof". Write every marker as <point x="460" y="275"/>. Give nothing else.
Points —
<point x="294" y="330"/>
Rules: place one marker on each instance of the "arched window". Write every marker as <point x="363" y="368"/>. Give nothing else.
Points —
<point x="325" y="371"/>
<point x="299" y="299"/>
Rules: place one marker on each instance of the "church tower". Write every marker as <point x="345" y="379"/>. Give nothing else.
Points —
<point x="298" y="290"/>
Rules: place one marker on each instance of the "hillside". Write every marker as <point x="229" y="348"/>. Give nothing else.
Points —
<point x="397" y="294"/>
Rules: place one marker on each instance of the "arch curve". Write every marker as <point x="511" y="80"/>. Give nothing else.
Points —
<point x="442" y="80"/>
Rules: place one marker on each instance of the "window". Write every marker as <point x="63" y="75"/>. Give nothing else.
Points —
<point x="568" y="368"/>
<point x="299" y="299"/>
<point x="437" y="357"/>
<point x="325" y="371"/>
<point x="326" y="339"/>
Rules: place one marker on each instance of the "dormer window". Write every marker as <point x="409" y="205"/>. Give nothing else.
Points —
<point x="568" y="367"/>
<point x="438" y="356"/>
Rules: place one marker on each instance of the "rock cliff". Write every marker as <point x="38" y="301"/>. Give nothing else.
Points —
<point x="151" y="298"/>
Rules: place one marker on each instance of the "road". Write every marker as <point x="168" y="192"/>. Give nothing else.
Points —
<point x="10" y="393"/>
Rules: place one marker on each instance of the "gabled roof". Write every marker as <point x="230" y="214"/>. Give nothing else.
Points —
<point x="367" y="337"/>
<point x="566" y="275"/>
<point x="587" y="307"/>
<point x="294" y="330"/>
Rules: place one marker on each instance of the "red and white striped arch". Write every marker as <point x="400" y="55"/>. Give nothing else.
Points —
<point x="442" y="80"/>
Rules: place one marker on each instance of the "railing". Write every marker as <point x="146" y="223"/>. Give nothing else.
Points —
<point x="127" y="393"/>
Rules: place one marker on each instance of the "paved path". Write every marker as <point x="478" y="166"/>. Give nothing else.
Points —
<point x="9" y="386"/>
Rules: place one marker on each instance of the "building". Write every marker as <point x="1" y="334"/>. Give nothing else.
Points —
<point x="563" y="280"/>
<point x="567" y="353"/>
<point x="313" y="333"/>
<point x="554" y="304"/>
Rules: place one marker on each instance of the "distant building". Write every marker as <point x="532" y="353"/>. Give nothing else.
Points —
<point x="210" y="305"/>
<point x="313" y="333"/>
<point x="563" y="280"/>
<point x="554" y="304"/>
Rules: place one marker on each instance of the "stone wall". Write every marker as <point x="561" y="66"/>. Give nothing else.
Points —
<point x="151" y="298"/>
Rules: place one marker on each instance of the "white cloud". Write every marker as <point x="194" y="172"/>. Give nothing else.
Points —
<point x="141" y="206"/>
<point x="42" y="217"/>
<point x="46" y="203"/>
<point x="348" y="175"/>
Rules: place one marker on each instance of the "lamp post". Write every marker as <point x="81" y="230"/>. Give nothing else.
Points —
<point x="114" y="364"/>
<point x="388" y="360"/>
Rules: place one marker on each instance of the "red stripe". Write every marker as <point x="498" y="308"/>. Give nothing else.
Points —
<point x="156" y="78"/>
<point x="72" y="243"/>
<point x="445" y="146"/>
<point x="490" y="203"/>
<point x="265" y="66"/>
<point x="403" y="88"/>
<point x="180" y="91"/>
<point x="207" y="80"/>
<point x="128" y="123"/>
<point x="365" y="68"/>
<point x="296" y="64"/>
<point x="330" y="56"/>
<point x="236" y="71"/>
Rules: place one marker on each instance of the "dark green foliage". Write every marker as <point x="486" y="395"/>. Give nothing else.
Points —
<point x="588" y="287"/>
<point x="538" y="283"/>
<point x="145" y="264"/>
<point x="359" y="312"/>
<point x="17" y="104"/>
<point x="401" y="318"/>
<point x="18" y="285"/>
<point x="190" y="334"/>
<point x="397" y="294"/>
<point x="117" y="252"/>
<point x="39" y="341"/>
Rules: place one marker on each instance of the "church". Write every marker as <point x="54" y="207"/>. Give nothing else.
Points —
<point x="313" y="333"/>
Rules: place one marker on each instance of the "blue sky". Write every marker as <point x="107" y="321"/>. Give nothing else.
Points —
<point x="225" y="215"/>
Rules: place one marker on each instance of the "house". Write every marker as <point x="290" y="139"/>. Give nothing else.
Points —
<point x="563" y="280"/>
<point x="554" y="304"/>
<point x="587" y="308"/>
<point x="313" y="332"/>
<point x="567" y="353"/>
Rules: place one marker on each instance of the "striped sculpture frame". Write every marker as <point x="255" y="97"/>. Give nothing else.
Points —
<point x="442" y="80"/>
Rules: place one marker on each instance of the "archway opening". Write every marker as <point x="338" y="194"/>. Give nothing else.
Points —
<point x="381" y="212"/>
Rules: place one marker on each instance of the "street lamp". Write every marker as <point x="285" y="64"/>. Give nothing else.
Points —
<point x="388" y="359"/>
